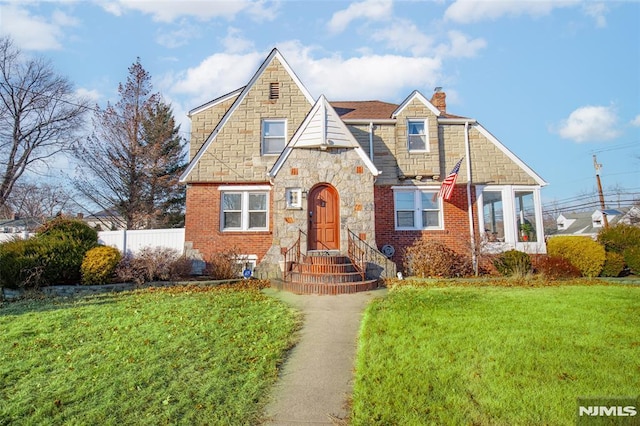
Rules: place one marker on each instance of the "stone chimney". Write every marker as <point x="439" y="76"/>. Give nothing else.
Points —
<point x="439" y="99"/>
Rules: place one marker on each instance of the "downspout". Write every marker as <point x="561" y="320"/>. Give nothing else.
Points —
<point x="472" y="234"/>
<point x="371" y="140"/>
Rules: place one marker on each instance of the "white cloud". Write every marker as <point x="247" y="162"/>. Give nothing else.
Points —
<point x="216" y="75"/>
<point x="403" y="35"/>
<point x="179" y="37"/>
<point x="590" y="124"/>
<point x="170" y="10"/>
<point x="636" y="121"/>
<point x="91" y="95"/>
<point x="385" y="77"/>
<point x="369" y="9"/>
<point x="234" y="42"/>
<point x="31" y="32"/>
<point x="467" y="11"/>
<point x="597" y="11"/>
<point x="460" y="46"/>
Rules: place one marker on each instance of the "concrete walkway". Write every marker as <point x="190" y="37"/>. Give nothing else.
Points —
<point x="317" y="377"/>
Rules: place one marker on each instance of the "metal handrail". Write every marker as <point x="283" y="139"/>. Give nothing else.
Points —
<point x="292" y="256"/>
<point x="362" y="254"/>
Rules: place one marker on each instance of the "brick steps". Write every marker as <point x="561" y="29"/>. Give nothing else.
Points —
<point x="326" y="274"/>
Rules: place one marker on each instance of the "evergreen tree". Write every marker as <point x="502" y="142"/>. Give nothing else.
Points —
<point x="132" y="161"/>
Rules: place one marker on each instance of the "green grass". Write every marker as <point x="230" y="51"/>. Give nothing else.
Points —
<point x="144" y="358"/>
<point x="495" y="356"/>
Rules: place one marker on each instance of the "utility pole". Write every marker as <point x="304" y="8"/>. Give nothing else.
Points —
<point x="602" y="206"/>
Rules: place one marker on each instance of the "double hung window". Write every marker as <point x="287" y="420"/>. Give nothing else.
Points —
<point x="417" y="134"/>
<point x="417" y="209"/>
<point x="273" y="136"/>
<point x="244" y="211"/>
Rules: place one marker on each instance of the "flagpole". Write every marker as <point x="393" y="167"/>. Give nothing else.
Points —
<point x="474" y="259"/>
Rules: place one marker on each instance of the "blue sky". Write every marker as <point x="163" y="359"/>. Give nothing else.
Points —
<point x="555" y="81"/>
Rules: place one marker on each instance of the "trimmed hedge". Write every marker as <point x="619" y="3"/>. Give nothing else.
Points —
<point x="613" y="265"/>
<point x="582" y="252"/>
<point x="513" y="262"/>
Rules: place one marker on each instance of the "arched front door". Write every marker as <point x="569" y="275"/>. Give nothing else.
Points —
<point x="324" y="218"/>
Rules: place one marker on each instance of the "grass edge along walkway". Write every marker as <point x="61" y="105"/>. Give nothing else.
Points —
<point x="488" y="355"/>
<point x="163" y="356"/>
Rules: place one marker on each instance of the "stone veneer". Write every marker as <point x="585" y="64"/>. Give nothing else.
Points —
<point x="305" y="168"/>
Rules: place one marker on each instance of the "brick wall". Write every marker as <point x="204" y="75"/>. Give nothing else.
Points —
<point x="202" y="226"/>
<point x="456" y="224"/>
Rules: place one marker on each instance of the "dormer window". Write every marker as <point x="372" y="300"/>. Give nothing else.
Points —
<point x="417" y="136"/>
<point x="273" y="136"/>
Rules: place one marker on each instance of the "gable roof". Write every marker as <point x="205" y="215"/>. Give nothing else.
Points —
<point x="510" y="154"/>
<point x="322" y="129"/>
<point x="215" y="102"/>
<point x="275" y="54"/>
<point x="416" y="95"/>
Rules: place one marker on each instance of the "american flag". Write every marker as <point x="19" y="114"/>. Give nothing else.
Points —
<point x="450" y="182"/>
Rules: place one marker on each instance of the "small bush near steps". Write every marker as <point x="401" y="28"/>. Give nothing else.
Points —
<point x="426" y="258"/>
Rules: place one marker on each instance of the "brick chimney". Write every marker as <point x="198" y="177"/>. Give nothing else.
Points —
<point x="439" y="99"/>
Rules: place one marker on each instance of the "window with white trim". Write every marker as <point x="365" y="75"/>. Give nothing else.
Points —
<point x="417" y="209"/>
<point x="273" y="136"/>
<point x="244" y="211"/>
<point x="417" y="135"/>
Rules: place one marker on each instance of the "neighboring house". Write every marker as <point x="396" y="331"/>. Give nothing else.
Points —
<point x="588" y="224"/>
<point x="104" y="220"/>
<point x="18" y="225"/>
<point x="270" y="163"/>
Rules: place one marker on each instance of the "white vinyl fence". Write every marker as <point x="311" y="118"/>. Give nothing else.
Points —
<point x="128" y="241"/>
<point x="133" y="241"/>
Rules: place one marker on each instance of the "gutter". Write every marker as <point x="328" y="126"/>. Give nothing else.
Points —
<point x="371" y="140"/>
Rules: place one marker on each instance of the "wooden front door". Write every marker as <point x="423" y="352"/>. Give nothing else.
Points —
<point x="324" y="218"/>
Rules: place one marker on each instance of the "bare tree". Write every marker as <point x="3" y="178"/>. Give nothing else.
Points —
<point x="40" y="116"/>
<point x="39" y="200"/>
<point x="130" y="162"/>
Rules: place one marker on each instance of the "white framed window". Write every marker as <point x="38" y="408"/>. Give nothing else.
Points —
<point x="417" y="135"/>
<point x="244" y="210"/>
<point x="417" y="209"/>
<point x="274" y="133"/>
<point x="294" y="198"/>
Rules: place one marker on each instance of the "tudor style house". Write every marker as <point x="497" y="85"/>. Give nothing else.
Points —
<point x="274" y="170"/>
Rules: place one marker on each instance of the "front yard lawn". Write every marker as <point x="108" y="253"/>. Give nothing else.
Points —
<point x="495" y="356"/>
<point x="175" y="356"/>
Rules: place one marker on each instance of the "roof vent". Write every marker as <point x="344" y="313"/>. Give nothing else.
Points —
<point x="274" y="91"/>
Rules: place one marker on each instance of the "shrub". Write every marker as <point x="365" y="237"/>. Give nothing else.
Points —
<point x="223" y="265"/>
<point x="513" y="263"/>
<point x="427" y="258"/>
<point x="619" y="237"/>
<point x="613" y="265"/>
<point x="583" y="253"/>
<point x="19" y="266"/>
<point x="53" y="256"/>
<point x="99" y="264"/>
<point x="153" y="264"/>
<point x="131" y="269"/>
<point x="632" y="258"/>
<point x="554" y="267"/>
<point x="70" y="228"/>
